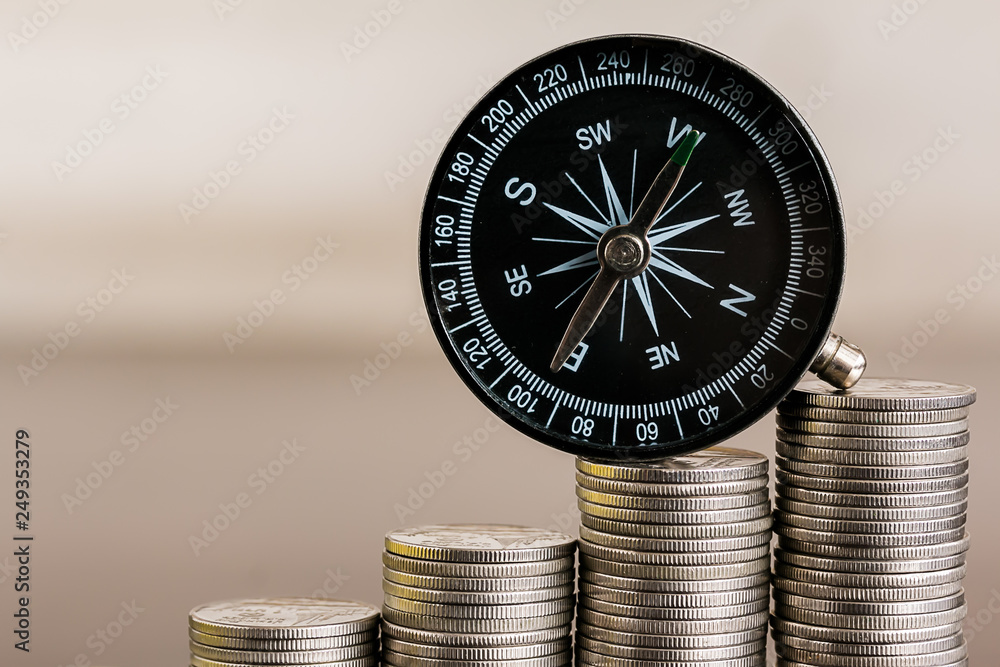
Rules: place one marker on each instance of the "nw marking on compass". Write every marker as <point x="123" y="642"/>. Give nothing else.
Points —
<point x="661" y="265"/>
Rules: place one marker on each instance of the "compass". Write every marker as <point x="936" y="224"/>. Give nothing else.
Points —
<point x="633" y="246"/>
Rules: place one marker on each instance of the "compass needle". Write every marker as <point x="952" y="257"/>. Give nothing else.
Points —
<point x="586" y="314"/>
<point x="663" y="186"/>
<point x="633" y="246"/>
<point x="578" y="288"/>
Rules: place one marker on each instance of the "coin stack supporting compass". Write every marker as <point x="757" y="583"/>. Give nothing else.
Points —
<point x="870" y="516"/>
<point x="284" y="631"/>
<point x="478" y="595"/>
<point x="674" y="558"/>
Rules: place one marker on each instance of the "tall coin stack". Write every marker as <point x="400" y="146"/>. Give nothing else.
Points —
<point x="284" y="631"/>
<point x="478" y="595"/>
<point x="674" y="560"/>
<point x="870" y="515"/>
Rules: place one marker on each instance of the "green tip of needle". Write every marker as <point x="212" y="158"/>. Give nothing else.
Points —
<point x="683" y="152"/>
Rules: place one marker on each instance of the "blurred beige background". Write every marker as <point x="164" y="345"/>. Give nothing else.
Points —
<point x="144" y="106"/>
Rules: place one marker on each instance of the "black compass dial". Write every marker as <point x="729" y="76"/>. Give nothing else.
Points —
<point x="745" y="257"/>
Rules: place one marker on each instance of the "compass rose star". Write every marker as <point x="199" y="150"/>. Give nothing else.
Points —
<point x="665" y="240"/>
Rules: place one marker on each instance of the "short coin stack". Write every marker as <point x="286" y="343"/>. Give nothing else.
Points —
<point x="674" y="560"/>
<point x="284" y="631"/>
<point x="870" y="516"/>
<point x="478" y="595"/>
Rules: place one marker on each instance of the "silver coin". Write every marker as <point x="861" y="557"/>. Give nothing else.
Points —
<point x="868" y="540"/>
<point x="842" y="648"/>
<point x="674" y="572"/>
<point x="430" y="568"/>
<point x="479" y="585"/>
<point x="814" y="523"/>
<point x="671" y="655"/>
<point x="472" y="640"/>
<point x="948" y="657"/>
<point x="673" y="600"/>
<point x="884" y="394"/>
<point x="661" y="531"/>
<point x="874" y="473"/>
<point x="284" y="618"/>
<point x="585" y="657"/>
<point x="847" y="593"/>
<point x="860" y="622"/>
<point x="870" y="608"/>
<point x="673" y="586"/>
<point x="873" y="500"/>
<point x="674" y="546"/>
<point x="661" y="558"/>
<point x="472" y="543"/>
<point x="403" y="660"/>
<point x="871" y="513"/>
<point x="874" y="444"/>
<point x="675" y="518"/>
<point x="664" y="627"/>
<point x="283" y="657"/>
<point x="715" y="464"/>
<point x="782" y="662"/>
<point x="671" y="641"/>
<point x="367" y="661"/>
<point x="924" y="552"/>
<point x="846" y="636"/>
<point x="856" y="458"/>
<point x="480" y="611"/>
<point x="813" y="413"/>
<point x="868" y="566"/>
<point x="872" y="430"/>
<point x="476" y="598"/>
<point x="369" y="637"/>
<point x="859" y="486"/>
<point x="475" y="626"/>
<point x="659" y="504"/>
<point x="496" y="653"/>
<point x="675" y="614"/>
<point x="627" y="488"/>
<point x="902" y="580"/>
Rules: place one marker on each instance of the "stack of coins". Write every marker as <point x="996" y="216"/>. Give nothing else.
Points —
<point x="284" y="631"/>
<point x="674" y="560"/>
<point x="870" y="516"/>
<point x="478" y="596"/>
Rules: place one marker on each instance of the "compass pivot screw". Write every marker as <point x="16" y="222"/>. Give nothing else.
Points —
<point x="624" y="253"/>
<point x="840" y="363"/>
